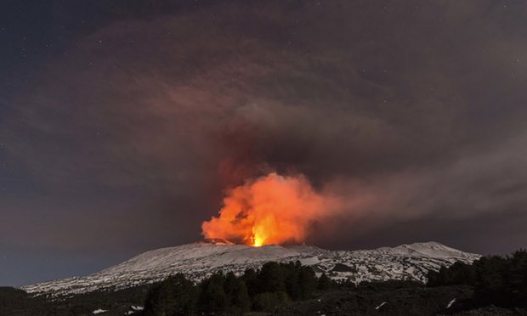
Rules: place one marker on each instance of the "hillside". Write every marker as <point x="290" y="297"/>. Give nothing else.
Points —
<point x="199" y="260"/>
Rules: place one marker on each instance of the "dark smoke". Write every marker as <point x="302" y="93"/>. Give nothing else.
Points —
<point x="412" y="111"/>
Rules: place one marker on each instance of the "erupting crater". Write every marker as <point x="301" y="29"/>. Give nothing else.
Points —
<point x="272" y="209"/>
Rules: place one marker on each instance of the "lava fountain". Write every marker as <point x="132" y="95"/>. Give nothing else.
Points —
<point x="273" y="209"/>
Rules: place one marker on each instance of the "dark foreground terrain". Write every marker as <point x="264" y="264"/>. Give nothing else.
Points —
<point x="381" y="300"/>
<point x="397" y="301"/>
<point x="368" y="300"/>
<point x="491" y="286"/>
<point x="14" y="302"/>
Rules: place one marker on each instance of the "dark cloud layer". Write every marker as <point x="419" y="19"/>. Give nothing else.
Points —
<point x="414" y="113"/>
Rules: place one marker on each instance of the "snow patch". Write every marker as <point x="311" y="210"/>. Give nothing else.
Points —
<point x="380" y="305"/>
<point x="200" y="260"/>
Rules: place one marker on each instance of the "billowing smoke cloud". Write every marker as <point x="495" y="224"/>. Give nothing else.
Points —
<point x="270" y="210"/>
<point x="408" y="112"/>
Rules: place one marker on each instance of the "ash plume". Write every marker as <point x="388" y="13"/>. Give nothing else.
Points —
<point x="411" y="113"/>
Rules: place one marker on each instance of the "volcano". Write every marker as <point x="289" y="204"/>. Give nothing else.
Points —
<point x="201" y="259"/>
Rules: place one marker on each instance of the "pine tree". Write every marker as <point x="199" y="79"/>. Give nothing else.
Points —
<point x="174" y="296"/>
<point x="213" y="297"/>
<point x="324" y="283"/>
<point x="237" y="295"/>
<point x="250" y="278"/>
<point x="307" y="281"/>
<point x="291" y="281"/>
<point x="271" y="278"/>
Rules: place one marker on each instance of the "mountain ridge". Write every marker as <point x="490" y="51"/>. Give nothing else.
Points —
<point x="200" y="259"/>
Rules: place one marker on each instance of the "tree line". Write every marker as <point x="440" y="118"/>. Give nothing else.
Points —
<point x="259" y="290"/>
<point x="496" y="280"/>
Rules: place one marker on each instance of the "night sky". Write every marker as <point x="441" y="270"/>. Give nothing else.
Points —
<point x="122" y="122"/>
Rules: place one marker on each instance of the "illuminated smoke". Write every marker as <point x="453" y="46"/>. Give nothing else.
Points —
<point x="273" y="209"/>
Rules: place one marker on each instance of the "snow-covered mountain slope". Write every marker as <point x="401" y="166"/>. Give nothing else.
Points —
<point x="199" y="260"/>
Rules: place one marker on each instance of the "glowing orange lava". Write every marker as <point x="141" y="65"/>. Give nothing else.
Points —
<point x="272" y="209"/>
